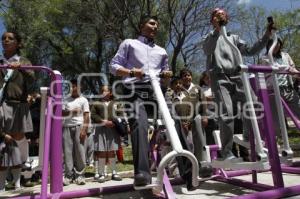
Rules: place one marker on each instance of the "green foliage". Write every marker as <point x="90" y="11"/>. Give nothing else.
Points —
<point x="251" y="25"/>
<point x="289" y="29"/>
<point x="76" y="36"/>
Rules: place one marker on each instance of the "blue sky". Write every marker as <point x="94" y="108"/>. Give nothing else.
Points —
<point x="278" y="5"/>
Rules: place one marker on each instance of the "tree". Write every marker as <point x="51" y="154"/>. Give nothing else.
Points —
<point x="252" y="25"/>
<point x="289" y="29"/>
<point x="82" y="35"/>
<point x="189" y="21"/>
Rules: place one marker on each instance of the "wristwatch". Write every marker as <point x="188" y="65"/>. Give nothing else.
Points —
<point x="131" y="73"/>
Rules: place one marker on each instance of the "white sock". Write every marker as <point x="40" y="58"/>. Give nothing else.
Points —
<point x="112" y="162"/>
<point x="96" y="163"/>
<point x="101" y="165"/>
<point x="105" y="169"/>
<point x="2" y="179"/>
<point x="16" y="177"/>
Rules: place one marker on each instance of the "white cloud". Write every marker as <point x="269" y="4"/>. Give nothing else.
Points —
<point x="243" y="2"/>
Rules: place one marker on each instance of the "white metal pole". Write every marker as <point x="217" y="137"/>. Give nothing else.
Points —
<point x="44" y="91"/>
<point x="169" y="122"/>
<point x="279" y="107"/>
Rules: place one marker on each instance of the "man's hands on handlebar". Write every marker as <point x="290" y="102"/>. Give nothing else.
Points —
<point x="166" y="74"/>
<point x="139" y="73"/>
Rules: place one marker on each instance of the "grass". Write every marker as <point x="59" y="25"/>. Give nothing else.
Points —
<point x="294" y="136"/>
<point x="126" y="165"/>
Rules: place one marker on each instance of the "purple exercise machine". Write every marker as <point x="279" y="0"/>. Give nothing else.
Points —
<point x="278" y="190"/>
<point x="270" y="160"/>
<point x="52" y="154"/>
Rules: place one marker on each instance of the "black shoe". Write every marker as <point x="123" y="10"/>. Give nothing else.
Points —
<point x="141" y="180"/>
<point x="190" y="187"/>
<point x="205" y="172"/>
<point x="29" y="183"/>
<point x="116" y="177"/>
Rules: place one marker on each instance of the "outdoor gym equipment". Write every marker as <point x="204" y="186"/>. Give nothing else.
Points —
<point x="277" y="190"/>
<point x="52" y="151"/>
<point x="286" y="153"/>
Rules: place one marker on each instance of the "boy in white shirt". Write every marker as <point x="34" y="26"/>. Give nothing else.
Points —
<point x="76" y="111"/>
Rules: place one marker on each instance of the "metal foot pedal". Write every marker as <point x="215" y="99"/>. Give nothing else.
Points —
<point x="238" y="138"/>
<point x="228" y="164"/>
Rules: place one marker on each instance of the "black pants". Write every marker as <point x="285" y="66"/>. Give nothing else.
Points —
<point x="184" y="164"/>
<point x="143" y="106"/>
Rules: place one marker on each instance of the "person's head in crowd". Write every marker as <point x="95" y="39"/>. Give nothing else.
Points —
<point x="148" y="26"/>
<point x="106" y="93"/>
<point x="204" y="79"/>
<point x="74" y="88"/>
<point x="219" y="17"/>
<point x="176" y="84"/>
<point x="11" y="43"/>
<point x="186" y="77"/>
<point x="277" y="49"/>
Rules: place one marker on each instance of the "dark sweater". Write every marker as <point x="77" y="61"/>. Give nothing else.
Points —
<point x="19" y="85"/>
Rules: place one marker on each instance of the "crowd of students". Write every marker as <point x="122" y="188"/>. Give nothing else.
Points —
<point x="190" y="105"/>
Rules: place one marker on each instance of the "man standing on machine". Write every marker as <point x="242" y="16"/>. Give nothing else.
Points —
<point x="134" y="59"/>
<point x="226" y="83"/>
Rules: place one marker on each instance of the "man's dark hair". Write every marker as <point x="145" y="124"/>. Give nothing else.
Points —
<point x="17" y="37"/>
<point x="73" y="81"/>
<point x="184" y="71"/>
<point x="175" y="80"/>
<point x="202" y="78"/>
<point x="145" y="18"/>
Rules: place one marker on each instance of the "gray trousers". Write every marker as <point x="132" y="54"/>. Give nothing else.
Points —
<point x="74" y="151"/>
<point x="229" y="98"/>
<point x="89" y="148"/>
<point x="199" y="139"/>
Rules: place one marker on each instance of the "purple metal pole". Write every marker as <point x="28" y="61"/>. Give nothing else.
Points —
<point x="46" y="149"/>
<point x="213" y="155"/>
<point x="56" y="130"/>
<point x="274" y="194"/>
<point x="291" y="114"/>
<point x="167" y="185"/>
<point x="290" y="169"/>
<point x="85" y="192"/>
<point x="260" y="68"/>
<point x="95" y="191"/>
<point x="240" y="173"/>
<point x="56" y="163"/>
<point x="269" y="135"/>
<point x="245" y="184"/>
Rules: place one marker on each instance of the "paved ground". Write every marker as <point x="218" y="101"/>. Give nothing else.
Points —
<point x="208" y="190"/>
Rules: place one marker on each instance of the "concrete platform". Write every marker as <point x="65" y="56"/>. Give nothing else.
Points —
<point x="208" y="190"/>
